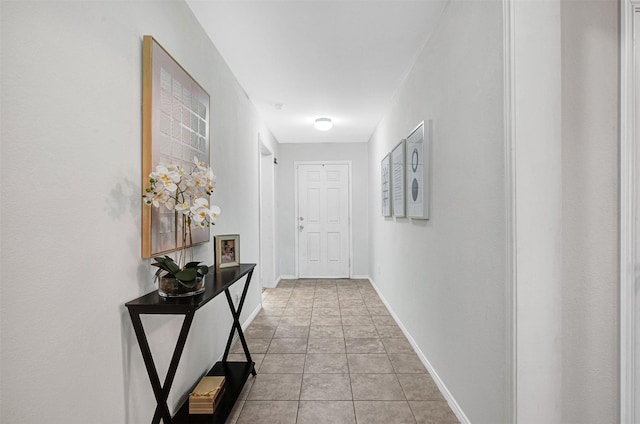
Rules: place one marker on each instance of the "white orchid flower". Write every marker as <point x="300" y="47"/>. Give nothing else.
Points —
<point x="200" y="210"/>
<point x="211" y="181"/>
<point x="202" y="201"/>
<point x="161" y="198"/>
<point x="184" y="191"/>
<point x="168" y="178"/>
<point x="200" y="164"/>
<point x="183" y="207"/>
<point x="214" y="212"/>
<point x="170" y="203"/>
<point x="200" y="216"/>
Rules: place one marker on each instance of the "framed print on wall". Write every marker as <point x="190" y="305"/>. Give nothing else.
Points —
<point x="397" y="179"/>
<point x="175" y="129"/>
<point x="417" y="171"/>
<point x="227" y="250"/>
<point x="386" y="185"/>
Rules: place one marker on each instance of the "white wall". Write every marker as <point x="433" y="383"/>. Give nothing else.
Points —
<point x="445" y="278"/>
<point x="566" y="184"/>
<point x="71" y="172"/>
<point x="537" y="124"/>
<point x="354" y="152"/>
<point x="590" y="110"/>
<point x="566" y="95"/>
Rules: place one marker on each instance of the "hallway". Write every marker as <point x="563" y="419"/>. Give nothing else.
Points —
<point x="328" y="351"/>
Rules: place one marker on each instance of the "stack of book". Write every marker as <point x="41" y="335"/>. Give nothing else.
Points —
<point x="206" y="397"/>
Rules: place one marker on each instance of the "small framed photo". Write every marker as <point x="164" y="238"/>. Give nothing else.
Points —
<point x="227" y="250"/>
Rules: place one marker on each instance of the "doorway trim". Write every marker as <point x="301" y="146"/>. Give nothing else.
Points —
<point x="511" y="260"/>
<point x="295" y="199"/>
<point x="629" y="172"/>
<point x="265" y="150"/>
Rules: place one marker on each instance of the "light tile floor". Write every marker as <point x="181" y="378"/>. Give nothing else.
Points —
<point x="327" y="351"/>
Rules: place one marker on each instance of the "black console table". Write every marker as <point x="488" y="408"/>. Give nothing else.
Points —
<point x="236" y="373"/>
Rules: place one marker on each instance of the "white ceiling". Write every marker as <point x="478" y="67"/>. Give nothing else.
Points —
<point x="342" y="59"/>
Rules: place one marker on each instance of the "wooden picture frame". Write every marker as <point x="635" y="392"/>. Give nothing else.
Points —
<point x="417" y="171"/>
<point x="227" y="250"/>
<point x="385" y="174"/>
<point x="175" y="129"/>
<point x="398" y="180"/>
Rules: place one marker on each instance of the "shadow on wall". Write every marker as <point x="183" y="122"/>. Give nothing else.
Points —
<point x="125" y="193"/>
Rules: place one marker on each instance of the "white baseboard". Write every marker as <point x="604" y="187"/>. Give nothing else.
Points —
<point x="251" y="317"/>
<point x="270" y="286"/>
<point x="293" y="277"/>
<point x="455" y="407"/>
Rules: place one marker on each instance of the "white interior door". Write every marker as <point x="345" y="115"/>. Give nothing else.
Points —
<point x="322" y="220"/>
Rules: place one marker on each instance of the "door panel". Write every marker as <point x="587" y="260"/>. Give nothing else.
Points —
<point x="313" y="198"/>
<point x="333" y="206"/>
<point x="313" y="247"/>
<point x="323" y="220"/>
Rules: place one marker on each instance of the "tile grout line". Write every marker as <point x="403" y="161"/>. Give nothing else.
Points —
<point x="346" y="354"/>
<point x="304" y="364"/>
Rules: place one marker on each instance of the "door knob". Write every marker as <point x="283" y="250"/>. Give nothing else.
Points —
<point x="301" y="227"/>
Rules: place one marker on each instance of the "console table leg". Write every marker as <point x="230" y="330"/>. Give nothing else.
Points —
<point x="236" y="322"/>
<point x="161" y="392"/>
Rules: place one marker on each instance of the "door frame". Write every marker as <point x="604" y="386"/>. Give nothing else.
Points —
<point x="629" y="189"/>
<point x="262" y="147"/>
<point x="511" y="259"/>
<point x="296" y="164"/>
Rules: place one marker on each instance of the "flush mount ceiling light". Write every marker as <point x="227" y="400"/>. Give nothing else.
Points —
<point x="323" y="124"/>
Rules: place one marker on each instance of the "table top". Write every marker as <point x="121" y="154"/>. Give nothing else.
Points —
<point x="216" y="282"/>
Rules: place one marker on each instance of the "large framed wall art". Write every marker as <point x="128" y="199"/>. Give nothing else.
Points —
<point x="385" y="173"/>
<point x="398" y="179"/>
<point x="175" y="129"/>
<point x="417" y="171"/>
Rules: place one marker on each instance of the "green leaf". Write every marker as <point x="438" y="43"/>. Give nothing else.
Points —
<point x="192" y="265"/>
<point x="173" y="267"/>
<point x="189" y="285"/>
<point x="186" y="275"/>
<point x="203" y="270"/>
<point x="166" y="263"/>
<point x="161" y="266"/>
